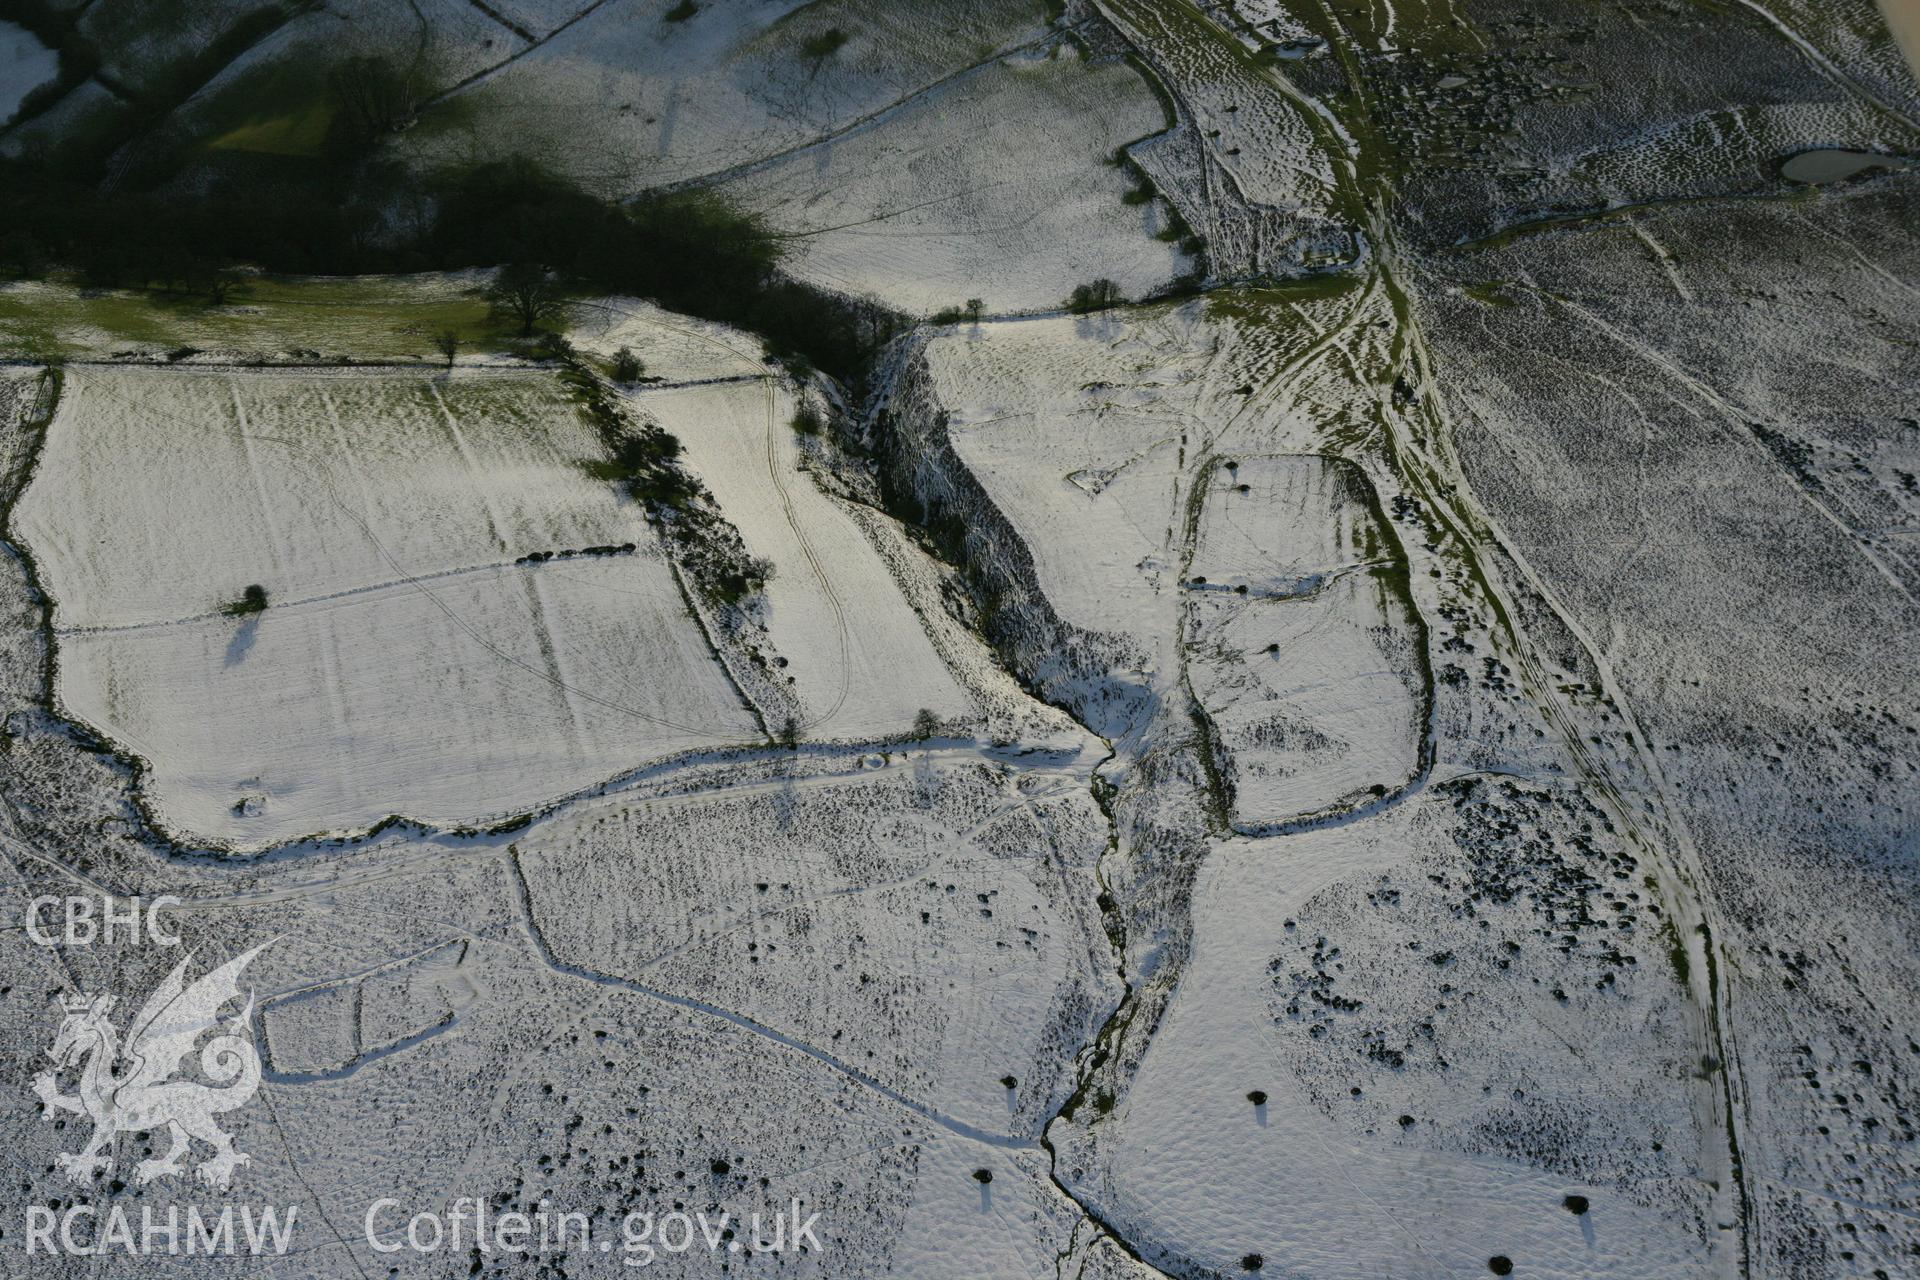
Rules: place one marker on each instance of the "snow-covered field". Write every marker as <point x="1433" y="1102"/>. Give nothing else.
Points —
<point x="1506" y="1103"/>
<point x="625" y="99"/>
<point x="1303" y="656"/>
<point x="1093" y="499"/>
<point x="1077" y="430"/>
<point x="999" y="185"/>
<point x="25" y="65"/>
<point x="81" y="107"/>
<point x="408" y="660"/>
<point x="1262" y="138"/>
<point x="857" y="616"/>
<point x="836" y="909"/>
<point x="1083" y="434"/>
<point x="852" y="648"/>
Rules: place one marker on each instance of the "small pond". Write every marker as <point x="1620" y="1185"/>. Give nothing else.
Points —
<point x="1829" y="164"/>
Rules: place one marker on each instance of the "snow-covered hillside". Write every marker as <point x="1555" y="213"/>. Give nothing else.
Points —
<point x="1265" y="638"/>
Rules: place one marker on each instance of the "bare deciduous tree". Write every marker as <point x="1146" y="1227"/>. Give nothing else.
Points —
<point x="372" y="97"/>
<point x="1097" y="296"/>
<point x="527" y="295"/>
<point x="216" y="281"/>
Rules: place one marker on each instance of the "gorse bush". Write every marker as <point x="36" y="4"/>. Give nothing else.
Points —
<point x="823" y="44"/>
<point x="252" y="600"/>
<point x="735" y="584"/>
<point x="644" y="463"/>
<point x="645" y="459"/>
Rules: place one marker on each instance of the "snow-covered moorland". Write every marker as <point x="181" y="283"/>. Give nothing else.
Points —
<point x="1280" y="644"/>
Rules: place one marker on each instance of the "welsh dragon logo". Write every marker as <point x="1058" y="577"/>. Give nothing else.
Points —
<point x="134" y="1088"/>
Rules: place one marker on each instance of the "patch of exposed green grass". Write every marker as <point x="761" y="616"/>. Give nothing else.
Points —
<point x="361" y="318"/>
<point x="1676" y="952"/>
<point x="295" y="133"/>
<point x="1259" y="304"/>
<point x="1488" y="292"/>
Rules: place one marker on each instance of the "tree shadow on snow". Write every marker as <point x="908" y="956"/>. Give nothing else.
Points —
<point x="242" y="641"/>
